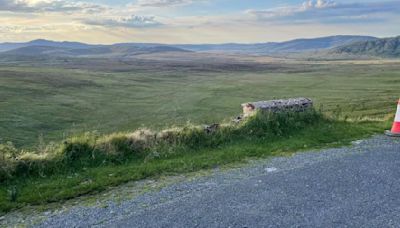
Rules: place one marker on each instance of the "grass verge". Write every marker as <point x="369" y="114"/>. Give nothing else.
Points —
<point x="90" y="163"/>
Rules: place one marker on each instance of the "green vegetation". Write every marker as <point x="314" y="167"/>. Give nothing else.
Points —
<point x="61" y="101"/>
<point x="91" y="150"/>
<point x="51" y="103"/>
<point x="90" y="163"/>
<point x="386" y="47"/>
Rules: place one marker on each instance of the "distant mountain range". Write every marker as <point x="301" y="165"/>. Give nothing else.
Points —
<point x="298" y="45"/>
<point x="387" y="47"/>
<point x="90" y="51"/>
<point x="75" y="49"/>
<point x="46" y="43"/>
<point x="355" y="45"/>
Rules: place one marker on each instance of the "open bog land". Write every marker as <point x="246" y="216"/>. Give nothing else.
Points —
<point x="71" y="127"/>
<point x="43" y="100"/>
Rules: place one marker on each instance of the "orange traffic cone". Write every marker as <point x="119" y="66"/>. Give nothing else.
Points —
<point x="395" y="132"/>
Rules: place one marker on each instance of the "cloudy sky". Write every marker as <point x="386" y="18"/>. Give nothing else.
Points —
<point x="194" y="21"/>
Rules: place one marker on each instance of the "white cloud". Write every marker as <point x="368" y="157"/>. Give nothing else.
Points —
<point x="310" y="5"/>
<point x="323" y="11"/>
<point x="86" y="14"/>
<point x="319" y="4"/>
<point x="132" y="21"/>
<point x="165" y="3"/>
<point x="48" y="6"/>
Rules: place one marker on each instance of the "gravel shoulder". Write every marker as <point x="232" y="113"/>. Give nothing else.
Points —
<point x="352" y="186"/>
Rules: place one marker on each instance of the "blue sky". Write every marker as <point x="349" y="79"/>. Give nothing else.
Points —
<point x="194" y="21"/>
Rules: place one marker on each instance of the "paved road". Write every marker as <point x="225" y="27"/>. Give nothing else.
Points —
<point x="358" y="186"/>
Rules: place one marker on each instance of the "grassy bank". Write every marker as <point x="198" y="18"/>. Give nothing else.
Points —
<point x="90" y="162"/>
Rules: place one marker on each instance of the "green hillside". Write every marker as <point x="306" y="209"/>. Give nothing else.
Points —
<point x="387" y="47"/>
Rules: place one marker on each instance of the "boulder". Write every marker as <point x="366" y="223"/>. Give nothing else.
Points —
<point x="293" y="104"/>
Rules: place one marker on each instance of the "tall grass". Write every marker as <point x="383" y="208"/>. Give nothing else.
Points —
<point x="91" y="162"/>
<point x="94" y="150"/>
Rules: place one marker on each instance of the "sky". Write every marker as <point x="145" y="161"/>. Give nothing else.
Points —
<point x="194" y="21"/>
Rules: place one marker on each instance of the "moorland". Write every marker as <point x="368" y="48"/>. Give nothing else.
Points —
<point x="51" y="100"/>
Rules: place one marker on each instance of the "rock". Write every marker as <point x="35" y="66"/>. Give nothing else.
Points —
<point x="270" y="170"/>
<point x="211" y="128"/>
<point x="358" y="142"/>
<point x="292" y="104"/>
<point x="238" y="119"/>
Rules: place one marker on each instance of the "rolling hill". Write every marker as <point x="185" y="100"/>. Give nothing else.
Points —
<point x="76" y="49"/>
<point x="387" y="47"/>
<point x="36" y="50"/>
<point x="293" y="46"/>
<point x="45" y="43"/>
<point x="90" y="51"/>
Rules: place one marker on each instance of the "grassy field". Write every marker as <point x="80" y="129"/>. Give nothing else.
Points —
<point x="43" y="102"/>
<point x="57" y="100"/>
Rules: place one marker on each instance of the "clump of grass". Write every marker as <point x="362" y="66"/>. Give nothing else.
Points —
<point x="13" y="193"/>
<point x="94" y="150"/>
<point x="8" y="156"/>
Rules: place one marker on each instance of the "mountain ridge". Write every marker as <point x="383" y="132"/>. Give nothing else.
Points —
<point x="385" y="47"/>
<point x="106" y="51"/>
<point x="78" y="49"/>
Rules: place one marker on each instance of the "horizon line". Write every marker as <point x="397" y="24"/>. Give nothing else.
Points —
<point x="244" y="43"/>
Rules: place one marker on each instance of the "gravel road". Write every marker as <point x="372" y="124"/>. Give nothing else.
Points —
<point x="356" y="186"/>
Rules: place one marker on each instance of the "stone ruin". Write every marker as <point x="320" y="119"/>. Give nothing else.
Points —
<point x="293" y="104"/>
